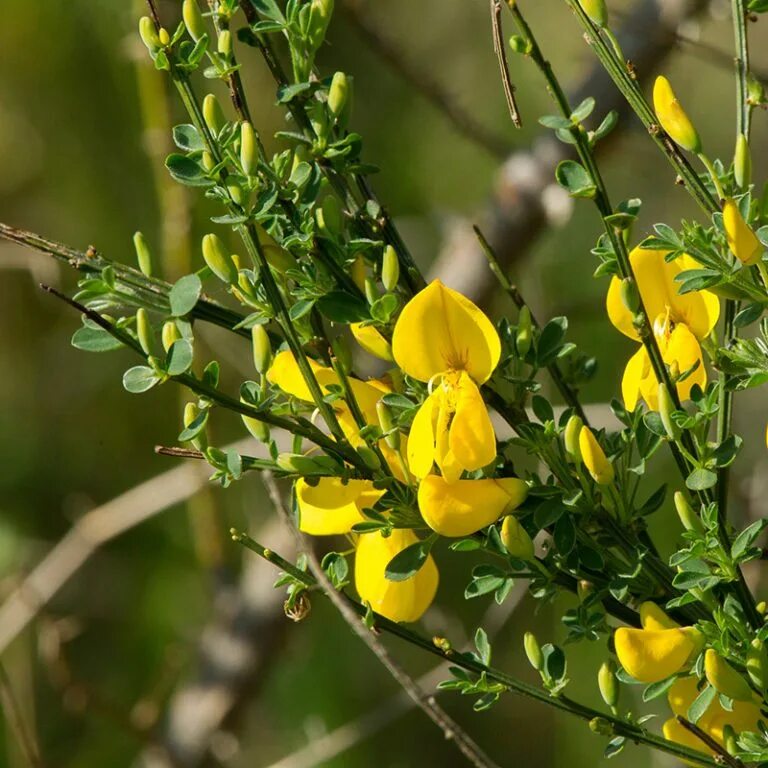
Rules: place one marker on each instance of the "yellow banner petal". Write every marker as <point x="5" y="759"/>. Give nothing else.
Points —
<point x="333" y="507"/>
<point x="421" y="440"/>
<point x="650" y="655"/>
<point x="471" y="438"/>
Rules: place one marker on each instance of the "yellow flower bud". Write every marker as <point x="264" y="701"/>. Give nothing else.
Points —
<point x="369" y="456"/>
<point x="319" y="18"/>
<point x="533" y="651"/>
<point x="524" y="336"/>
<point x="516" y="539"/>
<point x="390" y="268"/>
<point x="338" y="94"/>
<point x="596" y="10"/>
<point x="144" y="330"/>
<point x="143" y="254"/>
<point x="371" y="291"/>
<point x="357" y="271"/>
<point x="170" y="334"/>
<point x="742" y="162"/>
<point x="256" y="427"/>
<point x="208" y="162"/>
<point x="742" y="241"/>
<point x="212" y="114"/>
<point x="673" y="118"/>
<point x="249" y="158"/>
<point x="148" y="34"/>
<point x="730" y="740"/>
<point x="191" y="412"/>
<point x="594" y="458"/>
<point x="217" y="259"/>
<point x="262" y="349"/>
<point x="607" y="683"/>
<point x="724" y="678"/>
<point x="369" y="338"/>
<point x="688" y="517"/>
<point x="165" y="38"/>
<point x="224" y="43"/>
<point x="571" y="439"/>
<point x="666" y="407"/>
<point x="193" y="19"/>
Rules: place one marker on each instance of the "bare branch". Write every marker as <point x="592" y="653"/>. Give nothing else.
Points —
<point x="500" y="49"/>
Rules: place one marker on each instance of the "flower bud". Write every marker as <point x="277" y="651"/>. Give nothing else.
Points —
<point x="144" y="331"/>
<point x="256" y="427"/>
<point x="369" y="456"/>
<point x="143" y="255"/>
<point x="596" y="10"/>
<point x="165" y="38"/>
<point x="524" y="336"/>
<point x="217" y="259"/>
<point x="191" y="412"/>
<point x="338" y="94"/>
<point x="170" y="333"/>
<point x="148" y="34"/>
<point x="319" y="18"/>
<point x="519" y="44"/>
<point x="249" y="158"/>
<point x="212" y="114"/>
<point x="387" y="424"/>
<point x="673" y="118"/>
<point x="742" y="162"/>
<point x="688" y="517"/>
<point x="369" y="338"/>
<point x="742" y="241"/>
<point x="594" y="458"/>
<point x="262" y="349"/>
<point x="300" y="464"/>
<point x="207" y="160"/>
<point x="601" y="726"/>
<point x="757" y="664"/>
<point x="224" y="43"/>
<point x="516" y="539"/>
<point x="571" y="439"/>
<point x="329" y="217"/>
<point x="730" y="740"/>
<point x="666" y="408"/>
<point x="724" y="678"/>
<point x="193" y="19"/>
<point x="607" y="683"/>
<point x="390" y="269"/>
<point x="533" y="651"/>
<point x="630" y="295"/>
<point x="371" y="291"/>
<point x="357" y="271"/>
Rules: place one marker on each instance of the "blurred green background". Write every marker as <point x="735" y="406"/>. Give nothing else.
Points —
<point x="95" y="671"/>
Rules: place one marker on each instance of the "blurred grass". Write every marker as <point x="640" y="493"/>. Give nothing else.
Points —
<point x="74" y="168"/>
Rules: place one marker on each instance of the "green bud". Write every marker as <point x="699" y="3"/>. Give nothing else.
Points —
<point x="742" y="162"/>
<point x="520" y="45"/>
<point x="306" y="465"/>
<point x="596" y="10"/>
<point x="601" y="726"/>
<point x="762" y="607"/>
<point x="256" y="427"/>
<point x="148" y="34"/>
<point x="369" y="456"/>
<point x="688" y="517"/>
<point x="191" y="412"/>
<point x="387" y="425"/>
<point x="729" y="740"/>
<point x="371" y="291"/>
<point x="217" y="259"/>
<point x="358" y="272"/>
<point x="338" y="94"/>
<point x="236" y="193"/>
<point x="208" y="162"/>
<point x="630" y="295"/>
<point x="524" y="336"/>
<point x="342" y="353"/>
<point x="755" y="91"/>
<point x="390" y="268"/>
<point x="143" y="255"/>
<point x="212" y="114"/>
<point x="607" y="683"/>
<point x="666" y="408"/>
<point x="516" y="539"/>
<point x="757" y="664"/>
<point x="319" y="18"/>
<point x="571" y="439"/>
<point x="170" y="334"/>
<point x="165" y="38"/>
<point x="249" y="158"/>
<point x="224" y="43"/>
<point x="193" y="19"/>
<point x="533" y="651"/>
<point x="262" y="349"/>
<point x="144" y="331"/>
<point x="329" y="217"/>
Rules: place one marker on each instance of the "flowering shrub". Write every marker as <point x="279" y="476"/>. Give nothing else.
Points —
<point x="322" y="281"/>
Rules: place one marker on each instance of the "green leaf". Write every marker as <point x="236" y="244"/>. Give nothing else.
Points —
<point x="573" y="177"/>
<point x="556" y="122"/>
<point x="554" y="661"/>
<point x="91" y="338"/>
<point x="337" y="568"/>
<point x="485" y="579"/>
<point x="655" y="500"/>
<point x="608" y="124"/>
<point x="701" y="479"/>
<point x="179" y="358"/>
<point x="748" y="315"/>
<point x="184" y="295"/>
<point x="300" y="308"/>
<point x="550" y="340"/>
<point x="341" y="307"/>
<point x="747" y="538"/>
<point x="483" y="646"/>
<point x="286" y="93"/>
<point x="195" y="427"/>
<point x="269" y="8"/>
<point x="140" y="378"/>
<point x="187" y="138"/>
<point x="187" y="171"/>
<point x="584" y="110"/>
<point x="726" y="452"/>
<point x="408" y="561"/>
<point x="701" y="703"/>
<point x="564" y="535"/>
<point x="654" y="690"/>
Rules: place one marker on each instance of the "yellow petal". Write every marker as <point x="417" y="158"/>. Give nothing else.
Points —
<point x="683" y="348"/>
<point x="472" y="438"/>
<point x="285" y="374"/>
<point x="683" y="693"/>
<point x="673" y="731"/>
<point x="421" y="440"/>
<point x="636" y="371"/>
<point x="333" y="507"/>
<point x="441" y="330"/>
<point x="724" y="678"/>
<point x="673" y="118"/>
<point x="466" y="506"/>
<point x="369" y="338"/>
<point x="617" y="311"/>
<point x="652" y="617"/>
<point x="397" y="600"/>
<point x="651" y="655"/>
<point x="742" y="240"/>
<point x="594" y="458"/>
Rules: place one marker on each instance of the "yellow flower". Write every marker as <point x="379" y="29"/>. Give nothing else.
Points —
<point x="724" y="678"/>
<point x="466" y="506"/>
<point x="594" y="458"/>
<point x="371" y="341"/>
<point x="679" y="323"/>
<point x="333" y="507"/>
<point x="660" y="649"/>
<point x="397" y="600"/>
<point x="672" y="116"/>
<point x="742" y="241"/>
<point x="442" y="338"/>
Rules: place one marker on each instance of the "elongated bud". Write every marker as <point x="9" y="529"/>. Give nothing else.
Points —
<point x="672" y="116"/>
<point x="144" y="331"/>
<point x="305" y="465"/>
<point x="516" y="539"/>
<point x="193" y="19"/>
<point x="165" y="38"/>
<point x="191" y="412"/>
<point x="143" y="254"/>
<point x="148" y="34"/>
<point x="212" y="114"/>
<point x="730" y="741"/>
<point x="371" y="291"/>
<point x="387" y="424"/>
<point x="571" y="439"/>
<point x="256" y="427"/>
<point x="338" y="94"/>
<point x="724" y="678"/>
<point x="674" y="370"/>
<point x="666" y="408"/>
<point x="358" y="272"/>
<point x="630" y="296"/>
<point x="688" y="517"/>
<point x="329" y="217"/>
<point x="218" y="260"/>
<point x="371" y="341"/>
<point x="607" y="683"/>
<point x="342" y="353"/>
<point x="224" y="43"/>
<point x="170" y="334"/>
<point x="249" y="158"/>
<point x="524" y="336"/>
<point x="757" y="664"/>
<point x="319" y="18"/>
<point x="742" y="162"/>
<point x="742" y="241"/>
<point x="594" y="458"/>
<point x="390" y="269"/>
<point x="207" y="160"/>
<point x="533" y="651"/>
<point x="596" y="10"/>
<point x="262" y="349"/>
<point x="369" y="456"/>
